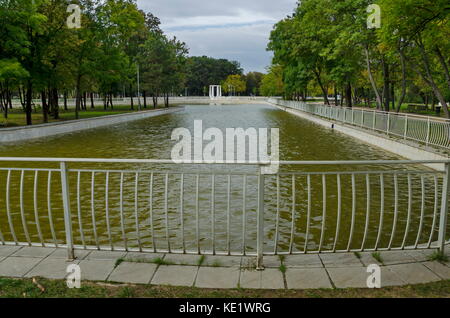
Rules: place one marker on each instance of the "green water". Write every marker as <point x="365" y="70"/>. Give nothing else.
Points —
<point x="151" y="139"/>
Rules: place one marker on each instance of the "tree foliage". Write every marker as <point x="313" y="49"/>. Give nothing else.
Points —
<point x="329" y="43"/>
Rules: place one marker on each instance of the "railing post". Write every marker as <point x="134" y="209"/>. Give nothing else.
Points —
<point x="406" y="126"/>
<point x="388" y="122"/>
<point x="260" y="222"/>
<point x="67" y="214"/>
<point x="444" y="209"/>
<point x="374" y="120"/>
<point x="428" y="130"/>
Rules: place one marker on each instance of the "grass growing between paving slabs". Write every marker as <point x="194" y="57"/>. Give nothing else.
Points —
<point x="44" y="288"/>
<point x="438" y="257"/>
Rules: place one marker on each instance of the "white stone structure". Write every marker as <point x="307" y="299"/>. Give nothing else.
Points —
<point x="215" y="91"/>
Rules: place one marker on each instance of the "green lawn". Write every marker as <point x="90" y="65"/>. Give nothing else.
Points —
<point x="404" y="109"/>
<point x="16" y="117"/>
<point x="25" y="288"/>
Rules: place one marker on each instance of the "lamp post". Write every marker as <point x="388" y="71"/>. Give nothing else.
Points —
<point x="138" y="88"/>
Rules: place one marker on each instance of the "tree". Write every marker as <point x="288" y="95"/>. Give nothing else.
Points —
<point x="203" y="71"/>
<point x="234" y="83"/>
<point x="272" y="83"/>
<point x="329" y="42"/>
<point x="253" y="84"/>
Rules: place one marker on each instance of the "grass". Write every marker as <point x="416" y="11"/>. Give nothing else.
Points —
<point x="438" y="257"/>
<point x="160" y="261"/>
<point x="216" y="263"/>
<point x="377" y="257"/>
<point x="358" y="255"/>
<point x="16" y="116"/>
<point x="118" y="262"/>
<point x="25" y="288"/>
<point x="404" y="109"/>
<point x="201" y="260"/>
<point x="282" y="268"/>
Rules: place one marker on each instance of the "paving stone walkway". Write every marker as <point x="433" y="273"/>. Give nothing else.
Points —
<point x="291" y="272"/>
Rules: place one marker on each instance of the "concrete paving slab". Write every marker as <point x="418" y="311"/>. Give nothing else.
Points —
<point x="414" y="273"/>
<point x="367" y="259"/>
<point x="354" y="277"/>
<point x="271" y="262"/>
<point x="307" y="278"/>
<point x="96" y="270"/>
<point x="223" y="261"/>
<point x="421" y="255"/>
<point x="143" y="257"/>
<point x="396" y="257"/>
<point x="340" y="260"/>
<point x="61" y="253"/>
<point x="248" y="263"/>
<point x="268" y="279"/>
<point x="51" y="268"/>
<point x="302" y="261"/>
<point x="217" y="277"/>
<point x="180" y="259"/>
<point x="105" y="255"/>
<point x="40" y="252"/>
<point x="175" y="275"/>
<point x="439" y="269"/>
<point x="135" y="273"/>
<point x="17" y="266"/>
<point x="8" y="250"/>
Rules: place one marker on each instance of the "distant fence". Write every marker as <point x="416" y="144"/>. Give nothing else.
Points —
<point x="127" y="101"/>
<point x="429" y="131"/>
<point x="313" y="207"/>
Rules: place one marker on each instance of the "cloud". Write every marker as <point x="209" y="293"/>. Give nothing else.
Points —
<point x="235" y="29"/>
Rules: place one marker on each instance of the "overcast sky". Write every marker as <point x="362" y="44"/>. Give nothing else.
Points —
<point x="232" y="29"/>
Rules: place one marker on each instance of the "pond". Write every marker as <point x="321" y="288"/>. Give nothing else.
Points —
<point x="229" y="218"/>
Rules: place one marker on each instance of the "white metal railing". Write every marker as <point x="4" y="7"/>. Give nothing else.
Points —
<point x="310" y="208"/>
<point x="430" y="131"/>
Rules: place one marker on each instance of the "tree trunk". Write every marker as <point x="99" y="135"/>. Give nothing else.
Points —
<point x="55" y="103"/>
<point x="131" y="96"/>
<point x="348" y="95"/>
<point x="319" y="81"/>
<point x="85" y="100"/>
<point x="386" y="88"/>
<point x="65" y="100"/>
<point x="403" y="94"/>
<point x="44" y="107"/>
<point x="443" y="64"/>
<point x="92" y="100"/>
<point x="28" y="97"/>
<point x="78" y="98"/>
<point x="430" y="80"/>
<point x="145" y="98"/>
<point x="155" y="101"/>
<point x="392" y="94"/>
<point x="372" y="81"/>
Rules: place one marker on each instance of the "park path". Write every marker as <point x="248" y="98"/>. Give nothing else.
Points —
<point x="225" y="272"/>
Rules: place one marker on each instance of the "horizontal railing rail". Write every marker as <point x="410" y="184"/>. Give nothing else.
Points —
<point x="425" y="130"/>
<point x="308" y="207"/>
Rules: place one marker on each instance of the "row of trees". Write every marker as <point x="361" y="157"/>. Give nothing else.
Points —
<point x="327" y="44"/>
<point x="202" y="71"/>
<point x="249" y="84"/>
<point x="40" y="56"/>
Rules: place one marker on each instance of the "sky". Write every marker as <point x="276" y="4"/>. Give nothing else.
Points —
<point x="233" y="29"/>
